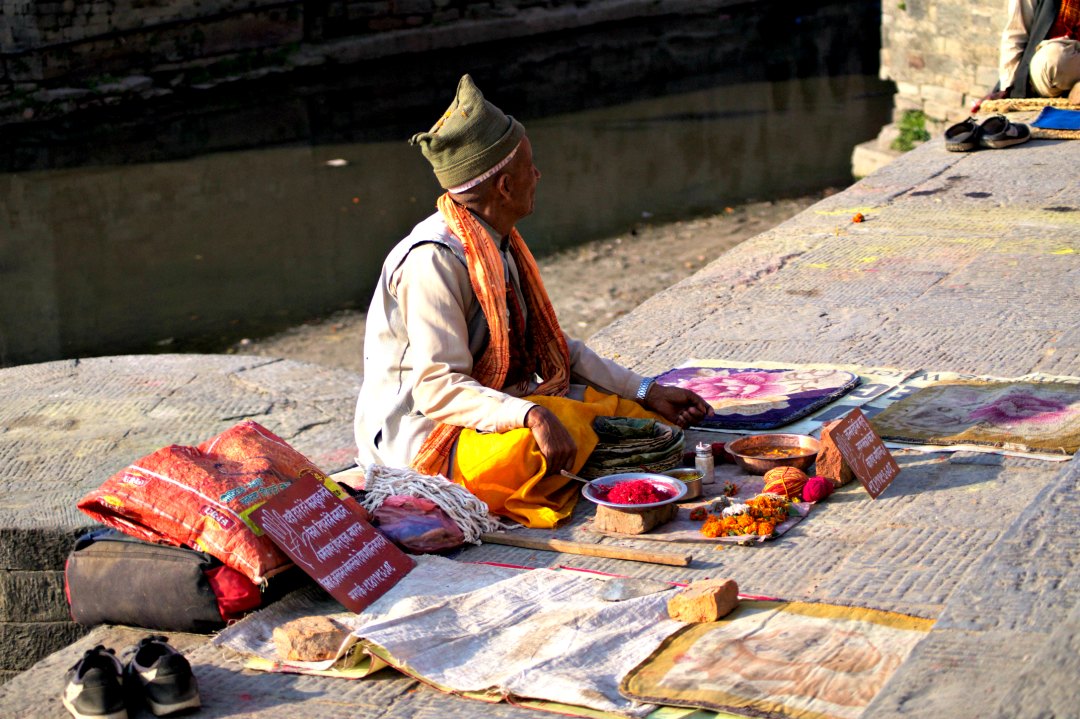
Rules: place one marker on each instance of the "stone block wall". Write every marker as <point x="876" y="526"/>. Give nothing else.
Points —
<point x="329" y="19"/>
<point x="72" y="41"/>
<point x="942" y="54"/>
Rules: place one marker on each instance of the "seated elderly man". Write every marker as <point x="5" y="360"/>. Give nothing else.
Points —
<point x="1040" y="50"/>
<point x="466" y="370"/>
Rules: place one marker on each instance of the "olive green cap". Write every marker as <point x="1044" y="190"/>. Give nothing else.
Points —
<point x="469" y="139"/>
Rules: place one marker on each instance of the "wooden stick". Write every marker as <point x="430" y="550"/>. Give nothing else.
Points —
<point x="592" y="550"/>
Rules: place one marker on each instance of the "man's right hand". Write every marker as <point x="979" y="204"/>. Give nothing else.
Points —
<point x="555" y="443"/>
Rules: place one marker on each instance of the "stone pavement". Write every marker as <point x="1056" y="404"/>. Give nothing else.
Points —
<point x="965" y="262"/>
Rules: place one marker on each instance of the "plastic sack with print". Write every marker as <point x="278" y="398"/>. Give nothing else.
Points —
<point x="200" y="497"/>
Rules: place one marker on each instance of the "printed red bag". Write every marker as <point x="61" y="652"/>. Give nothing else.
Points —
<point x="201" y="497"/>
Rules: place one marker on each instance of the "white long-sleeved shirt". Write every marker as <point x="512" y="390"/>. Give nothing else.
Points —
<point x="1014" y="38"/>
<point x="424" y="328"/>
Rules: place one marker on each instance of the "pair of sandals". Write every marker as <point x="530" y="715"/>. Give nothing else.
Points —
<point x="995" y="132"/>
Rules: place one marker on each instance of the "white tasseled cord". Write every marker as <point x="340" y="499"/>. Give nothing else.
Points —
<point x="466" y="510"/>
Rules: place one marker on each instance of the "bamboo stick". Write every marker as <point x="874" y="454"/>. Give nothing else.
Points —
<point x="591" y="550"/>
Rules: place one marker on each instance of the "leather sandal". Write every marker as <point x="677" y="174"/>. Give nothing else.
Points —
<point x="963" y="136"/>
<point x="998" y="132"/>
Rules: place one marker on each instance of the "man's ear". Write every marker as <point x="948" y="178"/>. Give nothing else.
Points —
<point x="504" y="185"/>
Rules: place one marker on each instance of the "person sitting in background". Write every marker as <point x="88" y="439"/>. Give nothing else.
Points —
<point x="1040" y="50"/>
<point x="466" y="370"/>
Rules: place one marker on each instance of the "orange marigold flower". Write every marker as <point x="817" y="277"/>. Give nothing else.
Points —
<point x="712" y="527"/>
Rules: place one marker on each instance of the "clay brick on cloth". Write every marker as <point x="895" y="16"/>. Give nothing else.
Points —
<point x="201" y="497"/>
<point x="830" y="463"/>
<point x="704" y="601"/>
<point x="309" y="639"/>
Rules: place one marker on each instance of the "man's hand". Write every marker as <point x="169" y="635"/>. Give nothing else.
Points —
<point x="677" y="405"/>
<point x="555" y="443"/>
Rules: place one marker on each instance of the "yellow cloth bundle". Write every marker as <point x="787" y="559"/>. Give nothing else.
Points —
<point x="508" y="472"/>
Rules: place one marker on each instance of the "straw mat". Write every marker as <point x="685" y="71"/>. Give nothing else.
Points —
<point x="1023" y="104"/>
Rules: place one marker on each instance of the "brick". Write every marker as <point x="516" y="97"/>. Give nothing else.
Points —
<point x="309" y="639"/>
<point x="621" y="522"/>
<point x="909" y="89"/>
<point x="942" y="95"/>
<point x="706" y="600"/>
<point x="830" y="463"/>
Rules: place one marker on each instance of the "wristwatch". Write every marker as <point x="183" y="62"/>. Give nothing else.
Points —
<point x="643" y="388"/>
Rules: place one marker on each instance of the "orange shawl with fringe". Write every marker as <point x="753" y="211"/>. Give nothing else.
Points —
<point x="489" y="283"/>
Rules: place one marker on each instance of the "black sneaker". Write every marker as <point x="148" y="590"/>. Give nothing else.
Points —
<point x="95" y="687"/>
<point x="162" y="677"/>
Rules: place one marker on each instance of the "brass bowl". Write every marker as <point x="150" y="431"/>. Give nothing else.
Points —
<point x="747" y="451"/>
<point x="691" y="477"/>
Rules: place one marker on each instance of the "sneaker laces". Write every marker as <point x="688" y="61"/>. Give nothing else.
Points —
<point x="85" y="662"/>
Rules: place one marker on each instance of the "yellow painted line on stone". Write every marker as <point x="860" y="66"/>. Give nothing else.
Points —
<point x="1064" y="251"/>
<point x="871" y="258"/>
<point x="819" y="265"/>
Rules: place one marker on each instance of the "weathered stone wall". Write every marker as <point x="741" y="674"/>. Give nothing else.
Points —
<point x="943" y="57"/>
<point x="78" y="42"/>
<point x="328" y="19"/>
<point x="43" y="41"/>
<point x="942" y="54"/>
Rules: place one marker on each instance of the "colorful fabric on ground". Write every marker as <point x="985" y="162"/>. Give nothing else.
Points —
<point x="507" y="471"/>
<point x="489" y="284"/>
<point x="749" y="398"/>
<point x="787" y="660"/>
<point x="1020" y="416"/>
<point x="1055" y="118"/>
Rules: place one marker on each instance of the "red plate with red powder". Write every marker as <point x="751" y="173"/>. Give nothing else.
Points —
<point x="636" y="490"/>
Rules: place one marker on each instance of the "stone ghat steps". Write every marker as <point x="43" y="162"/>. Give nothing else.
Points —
<point x="69" y="425"/>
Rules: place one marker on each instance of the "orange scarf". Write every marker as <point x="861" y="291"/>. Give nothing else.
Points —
<point x="489" y="284"/>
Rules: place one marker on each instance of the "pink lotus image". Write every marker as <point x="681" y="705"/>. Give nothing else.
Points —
<point x="745" y="393"/>
<point x="1018" y="408"/>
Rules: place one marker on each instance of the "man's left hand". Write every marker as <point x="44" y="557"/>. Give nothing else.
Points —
<point x="677" y="405"/>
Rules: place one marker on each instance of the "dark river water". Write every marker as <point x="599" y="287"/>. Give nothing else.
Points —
<point x="195" y="252"/>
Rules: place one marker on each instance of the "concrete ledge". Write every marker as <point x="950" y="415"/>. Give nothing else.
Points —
<point x="869" y="157"/>
<point x="33" y="596"/>
<point x="23" y="643"/>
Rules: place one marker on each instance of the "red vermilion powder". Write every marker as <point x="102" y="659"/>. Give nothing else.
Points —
<point x="638" y="491"/>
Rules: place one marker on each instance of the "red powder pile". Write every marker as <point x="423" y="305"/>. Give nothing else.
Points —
<point x="638" y="491"/>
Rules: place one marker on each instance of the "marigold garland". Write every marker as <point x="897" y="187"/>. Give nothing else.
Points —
<point x="762" y="514"/>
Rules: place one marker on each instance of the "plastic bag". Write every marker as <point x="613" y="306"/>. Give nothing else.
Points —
<point x="201" y="497"/>
<point x="417" y="525"/>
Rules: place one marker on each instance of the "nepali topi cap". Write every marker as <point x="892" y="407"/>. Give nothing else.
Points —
<point x="471" y="138"/>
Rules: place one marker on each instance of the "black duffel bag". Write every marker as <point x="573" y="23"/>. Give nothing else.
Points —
<point x="112" y="578"/>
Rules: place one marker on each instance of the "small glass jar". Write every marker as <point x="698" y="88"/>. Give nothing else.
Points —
<point x="703" y="462"/>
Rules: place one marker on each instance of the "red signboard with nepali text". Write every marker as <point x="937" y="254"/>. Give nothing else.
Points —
<point x="330" y="539"/>
<point x="864" y="452"/>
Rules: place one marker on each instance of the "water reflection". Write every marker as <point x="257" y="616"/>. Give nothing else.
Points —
<point x="199" y="252"/>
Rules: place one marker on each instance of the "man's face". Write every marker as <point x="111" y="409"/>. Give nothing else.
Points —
<point x="524" y="176"/>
